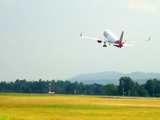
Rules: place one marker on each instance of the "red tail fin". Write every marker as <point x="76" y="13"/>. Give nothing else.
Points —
<point x="121" y="37"/>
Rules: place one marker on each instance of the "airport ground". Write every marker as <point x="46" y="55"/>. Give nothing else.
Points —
<point x="77" y="107"/>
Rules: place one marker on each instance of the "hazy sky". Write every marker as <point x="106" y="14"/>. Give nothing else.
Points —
<point x="40" y="38"/>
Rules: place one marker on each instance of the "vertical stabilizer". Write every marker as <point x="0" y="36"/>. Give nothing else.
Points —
<point x="121" y="37"/>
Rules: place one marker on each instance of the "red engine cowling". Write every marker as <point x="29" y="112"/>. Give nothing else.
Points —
<point x="99" y="41"/>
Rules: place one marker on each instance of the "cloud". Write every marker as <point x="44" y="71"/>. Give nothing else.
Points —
<point x="142" y="6"/>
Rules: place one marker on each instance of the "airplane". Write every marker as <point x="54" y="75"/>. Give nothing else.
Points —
<point x="113" y="40"/>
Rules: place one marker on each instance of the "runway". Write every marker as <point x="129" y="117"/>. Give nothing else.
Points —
<point x="128" y="97"/>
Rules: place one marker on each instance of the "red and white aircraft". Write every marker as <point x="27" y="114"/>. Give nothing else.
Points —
<point x="113" y="40"/>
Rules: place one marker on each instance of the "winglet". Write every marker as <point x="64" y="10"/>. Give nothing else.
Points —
<point x="149" y="38"/>
<point x="81" y="34"/>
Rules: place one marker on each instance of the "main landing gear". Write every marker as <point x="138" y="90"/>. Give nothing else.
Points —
<point x="104" y="44"/>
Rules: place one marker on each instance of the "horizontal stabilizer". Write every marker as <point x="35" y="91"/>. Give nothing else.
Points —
<point x="123" y="44"/>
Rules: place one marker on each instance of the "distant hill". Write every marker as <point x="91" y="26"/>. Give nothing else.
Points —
<point x="113" y="77"/>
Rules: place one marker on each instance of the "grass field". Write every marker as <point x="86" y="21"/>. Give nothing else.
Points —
<point x="63" y="107"/>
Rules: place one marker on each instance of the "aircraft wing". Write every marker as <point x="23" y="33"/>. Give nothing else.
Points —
<point x="96" y="39"/>
<point x="128" y="45"/>
<point x="135" y="41"/>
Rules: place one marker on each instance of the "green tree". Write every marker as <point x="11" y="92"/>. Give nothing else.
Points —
<point x="3" y="85"/>
<point x="126" y="85"/>
<point x="97" y="89"/>
<point x="157" y="88"/>
<point x="88" y="90"/>
<point x="110" y="89"/>
<point x="135" y="89"/>
<point x="17" y="85"/>
<point x="150" y="86"/>
<point x="80" y="88"/>
<point x="142" y="91"/>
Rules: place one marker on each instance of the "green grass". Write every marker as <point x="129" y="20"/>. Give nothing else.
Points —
<point x="3" y="118"/>
<point x="62" y="107"/>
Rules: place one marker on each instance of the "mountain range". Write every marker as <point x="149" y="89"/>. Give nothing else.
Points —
<point x="112" y="77"/>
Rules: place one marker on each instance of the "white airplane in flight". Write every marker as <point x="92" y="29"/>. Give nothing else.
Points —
<point x="114" y="40"/>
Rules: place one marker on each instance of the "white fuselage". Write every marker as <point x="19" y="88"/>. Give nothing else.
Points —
<point x="110" y="36"/>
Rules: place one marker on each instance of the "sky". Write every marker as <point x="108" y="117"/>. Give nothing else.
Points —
<point x="40" y="39"/>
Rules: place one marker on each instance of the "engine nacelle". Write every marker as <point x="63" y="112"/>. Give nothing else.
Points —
<point x="99" y="41"/>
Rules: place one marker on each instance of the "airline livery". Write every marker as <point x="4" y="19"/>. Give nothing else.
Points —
<point x="113" y="40"/>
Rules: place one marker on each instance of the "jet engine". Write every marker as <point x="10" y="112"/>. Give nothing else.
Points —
<point x="99" y="41"/>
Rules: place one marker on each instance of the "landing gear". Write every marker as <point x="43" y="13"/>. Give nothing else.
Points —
<point x="104" y="44"/>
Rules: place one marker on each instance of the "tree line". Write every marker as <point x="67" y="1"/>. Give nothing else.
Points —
<point x="126" y="87"/>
